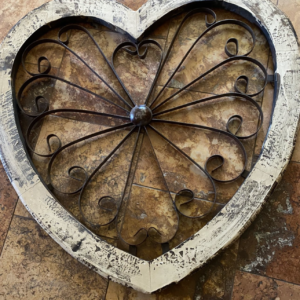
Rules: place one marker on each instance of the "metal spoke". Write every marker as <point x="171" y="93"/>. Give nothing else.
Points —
<point x="163" y="176"/>
<point x="64" y="44"/>
<point x="47" y="113"/>
<point x="188" y="15"/>
<point x="32" y="79"/>
<point x="111" y="154"/>
<point x="211" y="26"/>
<point x="53" y="155"/>
<point x="230" y="135"/>
<point x="235" y="58"/>
<point x="196" y="164"/>
<point x="126" y="46"/>
<point x="245" y="97"/>
<point x="128" y="189"/>
<point x="62" y="148"/>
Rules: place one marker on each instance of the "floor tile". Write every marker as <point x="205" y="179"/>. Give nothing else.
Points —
<point x="211" y="112"/>
<point x="291" y="9"/>
<point x="159" y="31"/>
<point x="133" y="4"/>
<point x="33" y="267"/>
<point x="296" y="153"/>
<point x="216" y="278"/>
<point x="8" y="200"/>
<point x="34" y="89"/>
<point x="271" y="245"/>
<point x="135" y="74"/>
<point x="252" y="287"/>
<point x="143" y="216"/>
<point x="10" y="13"/>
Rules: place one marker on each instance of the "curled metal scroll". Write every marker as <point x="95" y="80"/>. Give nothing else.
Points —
<point x="142" y="122"/>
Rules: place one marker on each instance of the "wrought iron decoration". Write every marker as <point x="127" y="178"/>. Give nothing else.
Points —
<point x="145" y="121"/>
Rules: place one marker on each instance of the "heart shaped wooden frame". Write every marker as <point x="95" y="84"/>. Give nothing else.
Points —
<point x="108" y="261"/>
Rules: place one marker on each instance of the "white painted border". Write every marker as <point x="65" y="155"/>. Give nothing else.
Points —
<point x="236" y="215"/>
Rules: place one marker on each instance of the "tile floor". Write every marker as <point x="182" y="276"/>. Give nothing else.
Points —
<point x="263" y="264"/>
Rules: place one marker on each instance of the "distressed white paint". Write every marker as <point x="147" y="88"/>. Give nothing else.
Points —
<point x="228" y="224"/>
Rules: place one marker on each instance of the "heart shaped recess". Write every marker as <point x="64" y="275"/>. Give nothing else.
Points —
<point x="139" y="143"/>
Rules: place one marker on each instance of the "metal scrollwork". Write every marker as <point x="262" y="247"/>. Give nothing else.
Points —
<point x="144" y="123"/>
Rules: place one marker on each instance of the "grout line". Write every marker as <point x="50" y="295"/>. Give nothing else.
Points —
<point x="231" y="294"/>
<point x="270" y="277"/>
<point x="188" y="89"/>
<point x="148" y="187"/>
<point x="295" y="161"/>
<point x="8" y="228"/>
<point x="196" y="91"/>
<point x="106" y="289"/>
<point x="152" y="188"/>
<point x="235" y="268"/>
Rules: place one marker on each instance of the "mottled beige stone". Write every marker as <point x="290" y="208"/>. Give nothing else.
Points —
<point x="12" y="12"/>
<point x="134" y="5"/>
<point x="249" y="286"/>
<point x="223" y="79"/>
<point x="296" y="153"/>
<point x="291" y="9"/>
<point x="34" y="267"/>
<point x="270" y="246"/>
<point x="149" y="211"/>
<point x="8" y="200"/>
<point x="53" y="52"/>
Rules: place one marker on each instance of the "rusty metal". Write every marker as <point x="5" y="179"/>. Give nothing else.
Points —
<point x="140" y="119"/>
